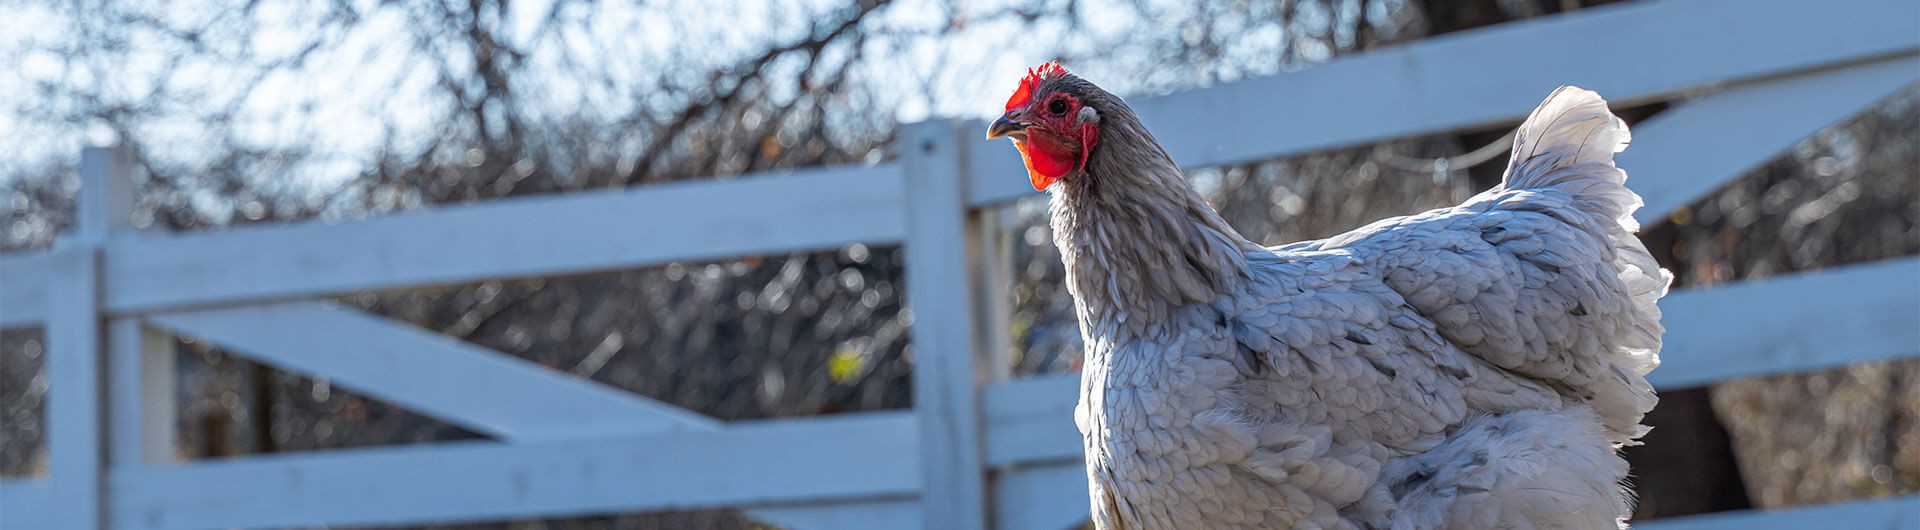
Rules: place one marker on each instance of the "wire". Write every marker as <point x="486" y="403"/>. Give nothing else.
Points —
<point x="1445" y="164"/>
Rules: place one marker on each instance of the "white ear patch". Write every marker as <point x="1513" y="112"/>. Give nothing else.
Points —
<point x="1087" y="115"/>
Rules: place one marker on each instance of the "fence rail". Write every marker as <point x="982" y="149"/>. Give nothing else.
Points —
<point x="979" y="449"/>
<point x="747" y="464"/>
<point x="430" y="373"/>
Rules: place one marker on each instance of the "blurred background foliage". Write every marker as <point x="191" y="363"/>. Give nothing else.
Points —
<point x="273" y="111"/>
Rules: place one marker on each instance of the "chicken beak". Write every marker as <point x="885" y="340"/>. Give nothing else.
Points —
<point x="1007" y="125"/>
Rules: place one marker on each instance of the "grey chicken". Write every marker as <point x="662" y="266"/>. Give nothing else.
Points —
<point x="1477" y="366"/>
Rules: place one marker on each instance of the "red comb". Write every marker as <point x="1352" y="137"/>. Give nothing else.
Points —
<point x="1049" y="70"/>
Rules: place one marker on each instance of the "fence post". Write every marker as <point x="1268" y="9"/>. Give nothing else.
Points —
<point x="111" y="386"/>
<point x="992" y="278"/>
<point x="140" y="389"/>
<point x="76" y="374"/>
<point x="74" y="419"/>
<point x="946" y="361"/>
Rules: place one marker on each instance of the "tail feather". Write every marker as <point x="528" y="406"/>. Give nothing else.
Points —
<point x="1567" y="145"/>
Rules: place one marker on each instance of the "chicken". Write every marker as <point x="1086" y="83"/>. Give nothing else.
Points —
<point x="1470" y="367"/>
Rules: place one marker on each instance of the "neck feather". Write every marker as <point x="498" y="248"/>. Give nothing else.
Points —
<point x="1137" y="240"/>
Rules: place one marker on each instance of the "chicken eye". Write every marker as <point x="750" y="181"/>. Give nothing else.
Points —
<point x="1057" y="107"/>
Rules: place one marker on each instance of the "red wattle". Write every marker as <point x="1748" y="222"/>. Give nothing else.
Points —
<point x="1047" y="159"/>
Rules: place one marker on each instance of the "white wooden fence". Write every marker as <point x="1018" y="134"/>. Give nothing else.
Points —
<point x="979" y="450"/>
